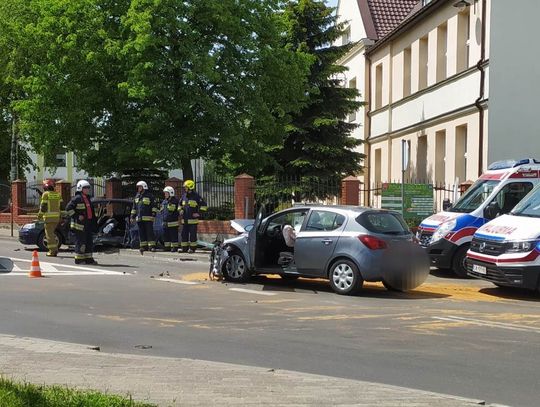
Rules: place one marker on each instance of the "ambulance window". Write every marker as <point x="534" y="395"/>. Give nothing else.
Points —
<point x="475" y="196"/>
<point x="530" y="206"/>
<point x="510" y="195"/>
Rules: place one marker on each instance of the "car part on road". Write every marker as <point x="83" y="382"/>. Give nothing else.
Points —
<point x="345" y="279"/>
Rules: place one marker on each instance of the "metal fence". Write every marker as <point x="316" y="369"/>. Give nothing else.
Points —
<point x="97" y="187"/>
<point x="34" y="190"/>
<point x="218" y="192"/>
<point x="283" y="192"/>
<point x="5" y="196"/>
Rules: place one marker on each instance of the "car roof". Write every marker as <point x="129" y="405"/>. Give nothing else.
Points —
<point x="350" y="208"/>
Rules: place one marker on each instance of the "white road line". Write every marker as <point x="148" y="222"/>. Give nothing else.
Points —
<point x="170" y="280"/>
<point x="44" y="265"/>
<point x="492" y="324"/>
<point x="245" y="290"/>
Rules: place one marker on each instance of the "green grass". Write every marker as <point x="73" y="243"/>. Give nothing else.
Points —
<point x="27" y="395"/>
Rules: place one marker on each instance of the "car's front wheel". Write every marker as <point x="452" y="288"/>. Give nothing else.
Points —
<point x="235" y="268"/>
<point x="345" y="278"/>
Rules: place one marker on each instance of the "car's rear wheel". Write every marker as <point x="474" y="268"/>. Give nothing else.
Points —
<point x="235" y="268"/>
<point x="458" y="263"/>
<point x="42" y="241"/>
<point x="345" y="278"/>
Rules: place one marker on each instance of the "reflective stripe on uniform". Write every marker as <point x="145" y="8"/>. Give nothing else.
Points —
<point x="133" y="211"/>
<point x="171" y="207"/>
<point x="147" y="218"/>
<point x="172" y="224"/>
<point x="80" y="206"/>
<point x="175" y="245"/>
<point x="146" y="201"/>
<point x="83" y="256"/>
<point x="143" y="244"/>
<point x="151" y="243"/>
<point x="51" y="216"/>
<point x="192" y="203"/>
<point x="185" y="244"/>
<point x="193" y="244"/>
<point x="76" y="226"/>
<point x="71" y="212"/>
<point x="167" y="244"/>
<point x="193" y="221"/>
<point x="204" y="208"/>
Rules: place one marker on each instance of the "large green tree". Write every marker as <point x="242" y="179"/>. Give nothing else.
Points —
<point x="154" y="83"/>
<point x="318" y="143"/>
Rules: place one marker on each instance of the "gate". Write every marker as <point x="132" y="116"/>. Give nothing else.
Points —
<point x="218" y="192"/>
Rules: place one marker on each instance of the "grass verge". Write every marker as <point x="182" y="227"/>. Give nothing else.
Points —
<point x="14" y="394"/>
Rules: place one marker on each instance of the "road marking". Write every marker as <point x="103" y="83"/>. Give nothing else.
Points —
<point x="57" y="269"/>
<point x="245" y="290"/>
<point x="502" y="325"/>
<point x="170" y="280"/>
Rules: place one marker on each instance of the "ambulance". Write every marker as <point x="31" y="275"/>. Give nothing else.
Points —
<point x="506" y="251"/>
<point x="447" y="235"/>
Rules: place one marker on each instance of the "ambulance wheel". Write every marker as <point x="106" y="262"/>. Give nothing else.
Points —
<point x="458" y="263"/>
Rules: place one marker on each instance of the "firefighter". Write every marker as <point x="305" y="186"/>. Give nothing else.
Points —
<point x="49" y="212"/>
<point x="170" y="211"/>
<point x="144" y="212"/>
<point x="83" y="223"/>
<point x="192" y="206"/>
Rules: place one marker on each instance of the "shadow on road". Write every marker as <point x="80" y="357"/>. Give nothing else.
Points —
<point x="447" y="274"/>
<point x="370" y="290"/>
<point x="512" y="293"/>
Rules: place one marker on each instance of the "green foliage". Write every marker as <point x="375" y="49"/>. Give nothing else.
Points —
<point x="318" y="143"/>
<point x="147" y="83"/>
<point x="23" y="395"/>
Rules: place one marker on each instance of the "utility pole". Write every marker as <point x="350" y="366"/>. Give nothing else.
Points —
<point x="14" y="172"/>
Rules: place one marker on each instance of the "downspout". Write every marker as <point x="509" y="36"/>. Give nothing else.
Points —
<point x="367" y="189"/>
<point x="478" y="102"/>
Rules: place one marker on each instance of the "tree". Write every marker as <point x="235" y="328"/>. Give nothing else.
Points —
<point x="318" y="143"/>
<point x="154" y="83"/>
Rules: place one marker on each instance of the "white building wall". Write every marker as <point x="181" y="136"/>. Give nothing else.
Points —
<point x="514" y="81"/>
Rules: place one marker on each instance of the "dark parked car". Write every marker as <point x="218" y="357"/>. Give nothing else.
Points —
<point x="113" y="227"/>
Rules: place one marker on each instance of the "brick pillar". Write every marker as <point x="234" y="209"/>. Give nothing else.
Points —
<point x="350" y="191"/>
<point x="113" y="190"/>
<point x="176" y="184"/>
<point x="244" y="197"/>
<point x="18" y="196"/>
<point x="64" y="189"/>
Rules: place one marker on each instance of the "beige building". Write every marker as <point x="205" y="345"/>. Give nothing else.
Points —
<point x="428" y="85"/>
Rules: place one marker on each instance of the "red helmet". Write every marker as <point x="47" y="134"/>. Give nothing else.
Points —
<point x="48" y="184"/>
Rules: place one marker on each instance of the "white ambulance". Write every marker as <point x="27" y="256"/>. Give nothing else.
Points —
<point x="506" y="251"/>
<point x="447" y="235"/>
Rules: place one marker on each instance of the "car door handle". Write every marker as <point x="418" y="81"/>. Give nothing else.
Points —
<point x="327" y="241"/>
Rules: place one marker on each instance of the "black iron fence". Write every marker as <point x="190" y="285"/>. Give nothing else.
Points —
<point x="218" y="192"/>
<point x="283" y="192"/>
<point x="34" y="190"/>
<point x="5" y="196"/>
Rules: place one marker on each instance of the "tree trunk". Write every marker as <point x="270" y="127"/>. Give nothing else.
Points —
<point x="14" y="173"/>
<point x="187" y="169"/>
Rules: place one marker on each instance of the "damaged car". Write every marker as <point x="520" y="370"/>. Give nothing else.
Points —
<point x="346" y="245"/>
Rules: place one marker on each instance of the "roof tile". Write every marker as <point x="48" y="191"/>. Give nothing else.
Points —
<point x="388" y="14"/>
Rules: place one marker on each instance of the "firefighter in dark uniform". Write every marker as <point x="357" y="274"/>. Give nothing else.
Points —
<point x="49" y="212"/>
<point x="170" y="210"/>
<point x="192" y="206"/>
<point x="144" y="213"/>
<point x="83" y="223"/>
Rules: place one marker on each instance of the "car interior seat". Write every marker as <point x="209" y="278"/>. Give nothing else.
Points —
<point x="286" y="258"/>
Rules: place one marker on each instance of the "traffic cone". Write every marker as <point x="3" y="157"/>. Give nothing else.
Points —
<point x="35" y="270"/>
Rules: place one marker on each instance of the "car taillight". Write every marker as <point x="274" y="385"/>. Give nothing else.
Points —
<point x="372" y="242"/>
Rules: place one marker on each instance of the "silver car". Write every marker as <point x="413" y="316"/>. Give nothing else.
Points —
<point x="344" y="244"/>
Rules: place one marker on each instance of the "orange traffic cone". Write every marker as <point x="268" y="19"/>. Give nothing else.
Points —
<point x="35" y="270"/>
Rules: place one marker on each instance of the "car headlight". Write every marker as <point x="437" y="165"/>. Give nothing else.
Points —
<point x="522" y="246"/>
<point x="442" y="230"/>
<point x="29" y="226"/>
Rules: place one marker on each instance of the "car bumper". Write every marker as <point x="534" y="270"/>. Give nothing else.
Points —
<point x="441" y="253"/>
<point x="27" y="237"/>
<point x="522" y="277"/>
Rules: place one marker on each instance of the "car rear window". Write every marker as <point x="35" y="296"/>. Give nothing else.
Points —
<point x="386" y="223"/>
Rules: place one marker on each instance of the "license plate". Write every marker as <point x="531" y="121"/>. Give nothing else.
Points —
<point x="479" y="269"/>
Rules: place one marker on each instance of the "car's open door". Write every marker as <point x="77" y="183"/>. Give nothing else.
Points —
<point x="252" y="236"/>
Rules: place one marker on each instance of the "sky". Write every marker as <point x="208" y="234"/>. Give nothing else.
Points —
<point x="332" y="3"/>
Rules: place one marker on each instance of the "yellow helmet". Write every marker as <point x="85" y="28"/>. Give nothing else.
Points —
<point x="189" y="184"/>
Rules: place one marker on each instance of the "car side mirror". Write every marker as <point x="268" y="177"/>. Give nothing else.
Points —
<point x="491" y="211"/>
<point x="446" y="204"/>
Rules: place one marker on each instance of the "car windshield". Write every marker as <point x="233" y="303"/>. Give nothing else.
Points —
<point x="475" y="196"/>
<point x="530" y="205"/>
<point x="386" y="223"/>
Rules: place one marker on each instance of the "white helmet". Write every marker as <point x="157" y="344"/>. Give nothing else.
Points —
<point x="82" y="184"/>
<point x="142" y="184"/>
<point x="170" y="190"/>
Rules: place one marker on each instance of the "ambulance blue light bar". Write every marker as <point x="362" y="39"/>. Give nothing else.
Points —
<point x="504" y="164"/>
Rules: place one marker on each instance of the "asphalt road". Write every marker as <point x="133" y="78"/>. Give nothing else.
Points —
<point x="460" y="337"/>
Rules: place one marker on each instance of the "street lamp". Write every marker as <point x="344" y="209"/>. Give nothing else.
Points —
<point x="462" y="5"/>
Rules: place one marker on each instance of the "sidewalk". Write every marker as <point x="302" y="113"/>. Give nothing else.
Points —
<point x="187" y="382"/>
